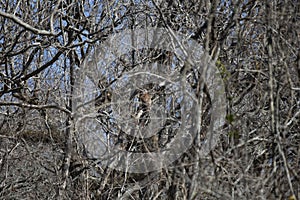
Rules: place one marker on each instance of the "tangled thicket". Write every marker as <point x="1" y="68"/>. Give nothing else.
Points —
<point x="256" y="48"/>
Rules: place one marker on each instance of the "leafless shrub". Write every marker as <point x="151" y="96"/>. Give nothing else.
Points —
<point x="256" y="48"/>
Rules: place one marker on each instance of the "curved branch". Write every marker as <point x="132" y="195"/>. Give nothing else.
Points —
<point x="36" y="106"/>
<point x="25" y="25"/>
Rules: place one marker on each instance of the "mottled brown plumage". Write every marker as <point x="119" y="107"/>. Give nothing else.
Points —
<point x="146" y="99"/>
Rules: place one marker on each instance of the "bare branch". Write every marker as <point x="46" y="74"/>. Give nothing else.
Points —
<point x="25" y="25"/>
